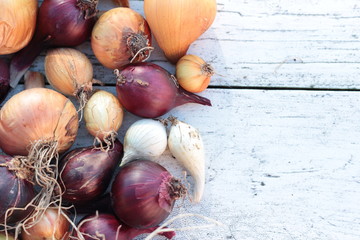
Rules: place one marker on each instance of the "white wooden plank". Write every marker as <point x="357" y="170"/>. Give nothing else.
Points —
<point x="280" y="164"/>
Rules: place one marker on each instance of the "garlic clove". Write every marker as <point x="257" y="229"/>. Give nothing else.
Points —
<point x="186" y="145"/>
<point x="144" y="138"/>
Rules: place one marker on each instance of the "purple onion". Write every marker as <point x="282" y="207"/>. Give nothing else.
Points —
<point x="4" y="80"/>
<point x="60" y="23"/>
<point x="16" y="191"/>
<point x="148" y="90"/>
<point x="86" y="172"/>
<point x="110" y="228"/>
<point x="143" y="193"/>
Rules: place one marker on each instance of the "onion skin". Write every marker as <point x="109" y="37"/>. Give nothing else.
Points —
<point x="17" y="24"/>
<point x="60" y="23"/>
<point x="178" y="23"/>
<point x="107" y="225"/>
<point x="112" y="34"/>
<point x="16" y="191"/>
<point x="37" y="114"/>
<point x="51" y="226"/>
<point x="4" y="80"/>
<point x="143" y="194"/>
<point x="86" y="172"/>
<point x="148" y="90"/>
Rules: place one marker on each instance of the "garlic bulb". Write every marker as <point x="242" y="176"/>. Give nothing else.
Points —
<point x="186" y="146"/>
<point x="144" y="138"/>
<point x="103" y="116"/>
<point x="193" y="73"/>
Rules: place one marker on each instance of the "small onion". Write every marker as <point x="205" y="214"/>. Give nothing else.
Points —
<point x="109" y="228"/>
<point x="143" y="193"/>
<point x="121" y="36"/>
<point x="16" y="190"/>
<point x="86" y="172"/>
<point x="103" y="116"/>
<point x="193" y="73"/>
<point x="52" y="225"/>
<point x="148" y="90"/>
<point x="17" y="24"/>
<point x="4" y="80"/>
<point x="70" y="72"/>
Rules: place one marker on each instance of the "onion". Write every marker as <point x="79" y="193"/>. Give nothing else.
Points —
<point x="53" y="225"/>
<point x="103" y="116"/>
<point x="121" y="36"/>
<point x="86" y="172"/>
<point x="34" y="115"/>
<point x="106" y="226"/>
<point x="16" y="190"/>
<point x="193" y="73"/>
<point x="147" y="90"/>
<point x="4" y="237"/>
<point x="4" y="80"/>
<point x="17" y="24"/>
<point x="143" y="193"/>
<point x="65" y="23"/>
<point x="178" y="23"/>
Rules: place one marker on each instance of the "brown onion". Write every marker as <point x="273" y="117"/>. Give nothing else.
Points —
<point x="121" y="36"/>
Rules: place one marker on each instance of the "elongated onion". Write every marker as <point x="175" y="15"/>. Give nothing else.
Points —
<point x="193" y="73"/>
<point x="177" y="23"/>
<point x="17" y="24"/>
<point x="121" y="36"/>
<point x="103" y="116"/>
<point x="70" y="72"/>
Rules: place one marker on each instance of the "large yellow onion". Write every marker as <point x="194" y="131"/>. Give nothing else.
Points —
<point x="178" y="23"/>
<point x="37" y="114"/>
<point x="17" y="24"/>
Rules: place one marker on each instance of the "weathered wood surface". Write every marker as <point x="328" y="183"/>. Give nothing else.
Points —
<point x="284" y="163"/>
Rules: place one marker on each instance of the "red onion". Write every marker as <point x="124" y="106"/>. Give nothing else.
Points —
<point x="106" y="226"/>
<point x="4" y="80"/>
<point x="148" y="90"/>
<point x="63" y="23"/>
<point x="86" y="172"/>
<point x="143" y="193"/>
<point x="16" y="191"/>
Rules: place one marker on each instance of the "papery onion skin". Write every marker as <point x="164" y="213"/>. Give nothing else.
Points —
<point x="103" y="115"/>
<point x="86" y="172"/>
<point x="37" y="114"/>
<point x="108" y="226"/>
<point x="4" y="80"/>
<point x="61" y="23"/>
<point x="143" y="193"/>
<point x="53" y="225"/>
<point x="178" y="23"/>
<point x="69" y="71"/>
<point x="17" y="24"/>
<point x="148" y="90"/>
<point x="16" y="191"/>
<point x="193" y="73"/>
<point x="112" y="34"/>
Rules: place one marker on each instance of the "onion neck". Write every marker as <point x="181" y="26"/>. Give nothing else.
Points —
<point x="89" y="7"/>
<point x="139" y="47"/>
<point x="207" y="69"/>
<point x="184" y="97"/>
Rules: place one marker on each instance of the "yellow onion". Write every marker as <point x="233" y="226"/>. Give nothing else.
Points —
<point x="37" y="114"/>
<point x="103" y="116"/>
<point x="34" y="80"/>
<point x="121" y="36"/>
<point x="69" y="71"/>
<point x="52" y="225"/>
<point x="177" y="23"/>
<point x="17" y="24"/>
<point x="193" y="73"/>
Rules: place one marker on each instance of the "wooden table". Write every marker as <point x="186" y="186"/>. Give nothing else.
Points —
<point x="283" y="135"/>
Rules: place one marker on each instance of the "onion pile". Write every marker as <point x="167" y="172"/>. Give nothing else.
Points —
<point x="43" y="187"/>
